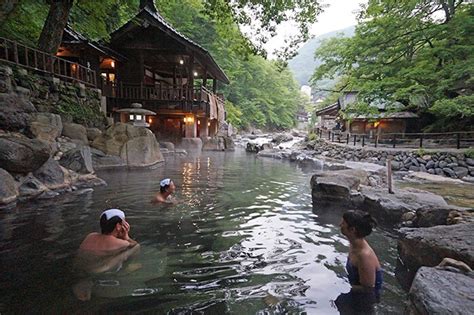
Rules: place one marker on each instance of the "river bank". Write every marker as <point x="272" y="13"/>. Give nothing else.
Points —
<point x="339" y="183"/>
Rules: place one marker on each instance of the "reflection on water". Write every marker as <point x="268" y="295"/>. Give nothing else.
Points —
<point x="242" y="240"/>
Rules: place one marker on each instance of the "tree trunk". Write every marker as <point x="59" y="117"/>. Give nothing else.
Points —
<point x="53" y="28"/>
<point x="6" y="7"/>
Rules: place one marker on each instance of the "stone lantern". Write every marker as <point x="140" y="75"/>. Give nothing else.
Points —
<point x="137" y="115"/>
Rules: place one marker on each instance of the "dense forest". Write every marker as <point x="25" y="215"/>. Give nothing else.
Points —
<point x="262" y="93"/>
<point x="419" y="53"/>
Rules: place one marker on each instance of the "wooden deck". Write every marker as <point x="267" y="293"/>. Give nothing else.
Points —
<point x="172" y="99"/>
<point x="18" y="54"/>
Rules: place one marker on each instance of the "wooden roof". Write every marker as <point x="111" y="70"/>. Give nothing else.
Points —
<point x="149" y="24"/>
<point x="331" y="110"/>
<point x="72" y="37"/>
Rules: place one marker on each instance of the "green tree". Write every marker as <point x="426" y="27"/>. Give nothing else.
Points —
<point x="417" y="52"/>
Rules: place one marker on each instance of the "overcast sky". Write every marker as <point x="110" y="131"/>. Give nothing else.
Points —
<point x="337" y="15"/>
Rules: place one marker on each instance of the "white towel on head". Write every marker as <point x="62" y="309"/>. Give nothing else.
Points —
<point x="110" y="213"/>
<point x="165" y="182"/>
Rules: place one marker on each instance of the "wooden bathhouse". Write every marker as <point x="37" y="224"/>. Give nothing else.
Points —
<point x="383" y="122"/>
<point x="147" y="61"/>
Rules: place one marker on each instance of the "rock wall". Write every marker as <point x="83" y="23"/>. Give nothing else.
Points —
<point x="24" y="93"/>
<point x="43" y="151"/>
<point x="451" y="164"/>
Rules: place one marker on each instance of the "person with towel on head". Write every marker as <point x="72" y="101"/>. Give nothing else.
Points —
<point x="103" y="252"/>
<point x="167" y="187"/>
<point x="114" y="236"/>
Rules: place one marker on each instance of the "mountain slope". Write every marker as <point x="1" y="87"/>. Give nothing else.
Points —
<point x="303" y="64"/>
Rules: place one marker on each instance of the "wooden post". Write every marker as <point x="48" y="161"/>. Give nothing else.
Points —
<point x="15" y="52"/>
<point x="363" y="140"/>
<point x="389" y="175"/>
<point x="214" y="86"/>
<point x="26" y="57"/>
<point x="36" y="59"/>
<point x="329" y="134"/>
<point x="355" y="138"/>
<point x="421" y="141"/>
<point x="347" y="140"/>
<point x="204" y="80"/>
<point x="6" y="48"/>
<point x="376" y="140"/>
<point x="394" y="139"/>
<point x="458" y="140"/>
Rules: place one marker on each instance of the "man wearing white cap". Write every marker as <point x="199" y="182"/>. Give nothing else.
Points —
<point x="167" y="187"/>
<point x="113" y="237"/>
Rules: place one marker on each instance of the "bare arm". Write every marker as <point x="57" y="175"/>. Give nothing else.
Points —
<point x="125" y="236"/>
<point x="366" y="267"/>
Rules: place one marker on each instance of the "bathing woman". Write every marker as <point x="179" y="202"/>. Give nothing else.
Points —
<point x="363" y="267"/>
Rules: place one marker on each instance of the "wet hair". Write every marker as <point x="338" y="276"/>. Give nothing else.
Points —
<point x="363" y="222"/>
<point x="164" y="189"/>
<point x="107" y="226"/>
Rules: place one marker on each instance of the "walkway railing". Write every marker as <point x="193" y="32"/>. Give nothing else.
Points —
<point x="458" y="140"/>
<point x="34" y="59"/>
<point x="141" y="92"/>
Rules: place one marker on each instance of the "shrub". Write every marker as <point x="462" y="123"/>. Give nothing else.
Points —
<point x="469" y="153"/>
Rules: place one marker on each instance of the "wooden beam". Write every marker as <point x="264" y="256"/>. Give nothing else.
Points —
<point x="204" y="79"/>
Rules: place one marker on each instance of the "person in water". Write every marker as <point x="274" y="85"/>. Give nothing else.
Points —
<point x="105" y="251"/>
<point x="114" y="236"/>
<point x="363" y="267"/>
<point x="167" y="187"/>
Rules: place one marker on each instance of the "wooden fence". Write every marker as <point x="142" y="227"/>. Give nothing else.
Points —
<point x="458" y="140"/>
<point x="141" y="92"/>
<point x="34" y="59"/>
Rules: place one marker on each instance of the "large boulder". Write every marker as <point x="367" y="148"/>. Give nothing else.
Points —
<point x="167" y="145"/>
<point x="220" y="143"/>
<point x="76" y="132"/>
<point x="8" y="188"/>
<point x="31" y="187"/>
<point x="79" y="160"/>
<point x="389" y="208"/>
<point x="136" y="146"/>
<point x="337" y="187"/>
<point x="442" y="216"/>
<point x="100" y="160"/>
<point x="282" y="137"/>
<point x="213" y="144"/>
<point x="15" y="112"/>
<point x="93" y="133"/>
<point x="51" y="175"/>
<point x="441" y="291"/>
<point x="141" y="151"/>
<point x="19" y="154"/>
<point x="46" y="126"/>
<point x="191" y="144"/>
<point x="229" y="143"/>
<point x="428" y="246"/>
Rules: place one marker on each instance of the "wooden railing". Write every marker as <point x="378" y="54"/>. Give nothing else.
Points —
<point x="34" y="59"/>
<point x="141" y="92"/>
<point x="458" y="140"/>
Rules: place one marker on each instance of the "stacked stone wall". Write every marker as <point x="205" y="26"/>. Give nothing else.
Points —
<point x="455" y="163"/>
